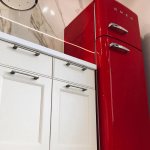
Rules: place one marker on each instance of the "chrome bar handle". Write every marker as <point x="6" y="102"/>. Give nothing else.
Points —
<point x="26" y="74"/>
<point x="30" y="50"/>
<point x="120" y="47"/>
<point x="68" y="86"/>
<point x="83" y="68"/>
<point x="117" y="27"/>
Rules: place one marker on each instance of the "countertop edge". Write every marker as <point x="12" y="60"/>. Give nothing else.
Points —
<point x="47" y="51"/>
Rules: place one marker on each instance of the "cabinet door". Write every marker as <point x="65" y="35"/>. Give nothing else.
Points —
<point x="24" y="111"/>
<point x="73" y="118"/>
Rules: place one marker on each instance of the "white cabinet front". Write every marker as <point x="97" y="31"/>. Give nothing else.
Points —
<point x="25" y="59"/>
<point x="24" y="111"/>
<point x="73" y="118"/>
<point x="73" y="73"/>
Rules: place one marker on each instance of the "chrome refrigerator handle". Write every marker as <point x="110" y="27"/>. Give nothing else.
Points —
<point x="115" y="26"/>
<point x="119" y="47"/>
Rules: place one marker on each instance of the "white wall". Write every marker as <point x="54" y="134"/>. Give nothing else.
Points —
<point x="142" y="9"/>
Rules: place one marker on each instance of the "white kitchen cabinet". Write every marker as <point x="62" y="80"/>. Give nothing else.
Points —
<point x="73" y="118"/>
<point x="24" y="58"/>
<point x="27" y="121"/>
<point x="72" y="72"/>
<point x="25" y="106"/>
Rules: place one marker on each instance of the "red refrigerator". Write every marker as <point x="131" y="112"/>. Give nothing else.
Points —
<point x="123" y="113"/>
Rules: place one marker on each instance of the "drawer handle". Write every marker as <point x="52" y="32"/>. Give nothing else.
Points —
<point x="120" y="47"/>
<point x="68" y="86"/>
<point x="26" y="74"/>
<point x="30" y="50"/>
<point x="117" y="27"/>
<point x="83" y="68"/>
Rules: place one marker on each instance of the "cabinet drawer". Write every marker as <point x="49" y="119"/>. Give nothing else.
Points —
<point x="73" y="73"/>
<point x="25" y="59"/>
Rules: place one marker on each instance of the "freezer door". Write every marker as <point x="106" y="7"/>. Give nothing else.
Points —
<point x="115" y="20"/>
<point x="79" y="35"/>
<point x="123" y="104"/>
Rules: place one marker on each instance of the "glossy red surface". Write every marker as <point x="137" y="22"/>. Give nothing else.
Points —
<point x="80" y="32"/>
<point x="123" y="102"/>
<point x="79" y="53"/>
<point x="110" y="11"/>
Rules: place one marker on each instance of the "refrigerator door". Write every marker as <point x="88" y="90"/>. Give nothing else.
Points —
<point x="115" y="20"/>
<point x="123" y="104"/>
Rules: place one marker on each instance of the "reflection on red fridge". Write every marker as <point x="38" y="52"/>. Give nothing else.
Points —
<point x="123" y="113"/>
